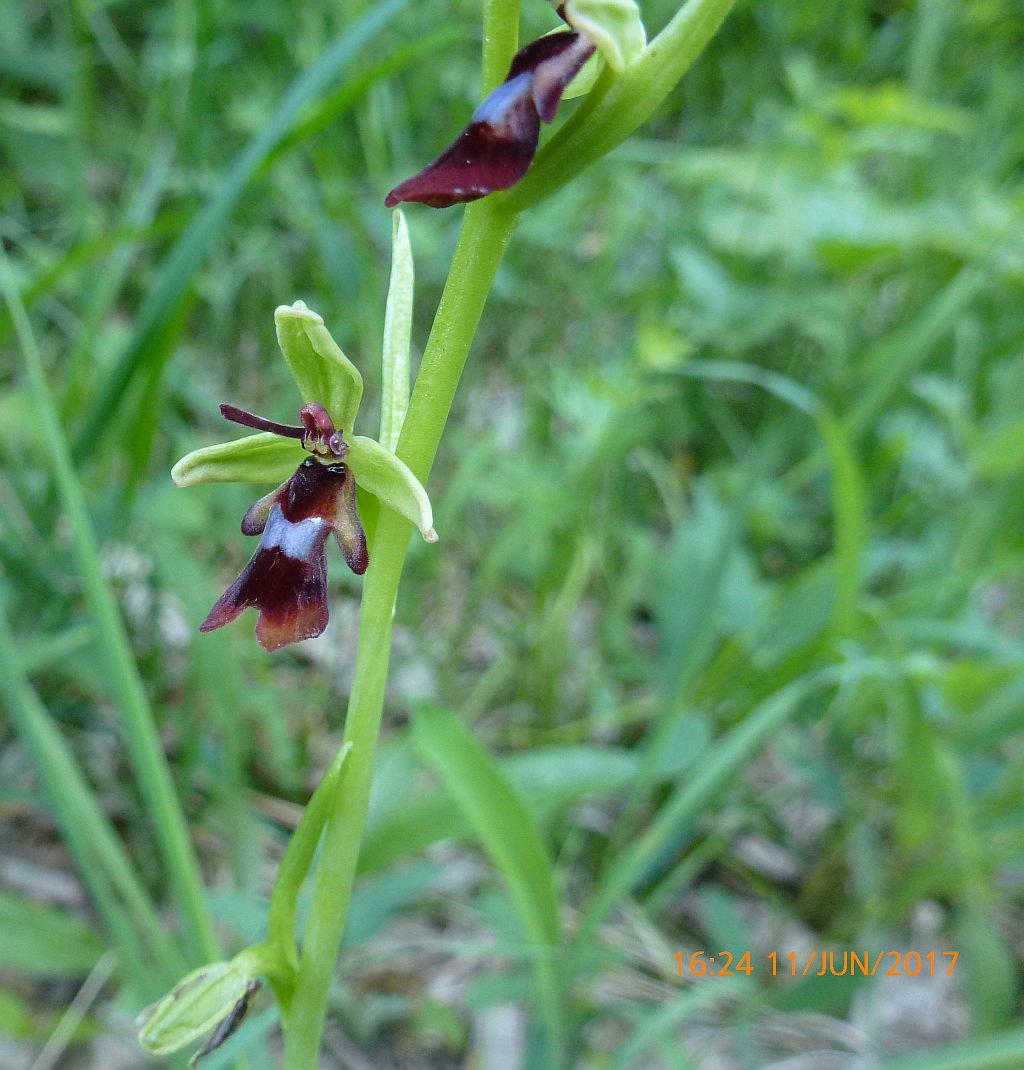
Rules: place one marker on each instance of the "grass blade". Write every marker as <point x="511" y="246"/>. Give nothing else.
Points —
<point x="151" y="342"/>
<point x="98" y="852"/>
<point x="656" y="1025"/>
<point x="502" y="821"/>
<point x="721" y="763"/>
<point x="848" y="491"/>
<point x="1005" y="1050"/>
<point x="144" y="745"/>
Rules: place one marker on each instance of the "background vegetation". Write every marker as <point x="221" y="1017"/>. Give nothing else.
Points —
<point x="745" y="412"/>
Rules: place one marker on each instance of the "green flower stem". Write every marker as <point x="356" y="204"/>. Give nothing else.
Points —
<point x="501" y="39"/>
<point x="147" y="755"/>
<point x="612" y="111"/>
<point x="485" y="235"/>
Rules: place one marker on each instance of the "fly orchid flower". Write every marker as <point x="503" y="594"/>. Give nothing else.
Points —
<point x="497" y="147"/>
<point x="318" y="466"/>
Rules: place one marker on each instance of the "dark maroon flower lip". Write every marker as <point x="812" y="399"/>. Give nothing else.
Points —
<point x="286" y="579"/>
<point x="497" y="147"/>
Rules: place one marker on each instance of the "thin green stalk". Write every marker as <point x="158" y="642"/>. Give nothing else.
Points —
<point x="485" y="235"/>
<point x="144" y="747"/>
<point x="501" y="39"/>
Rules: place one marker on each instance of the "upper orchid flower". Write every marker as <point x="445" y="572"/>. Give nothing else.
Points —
<point x="497" y="147"/>
<point x="318" y="466"/>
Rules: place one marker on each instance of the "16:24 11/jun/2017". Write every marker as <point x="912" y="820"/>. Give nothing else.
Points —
<point x="906" y="964"/>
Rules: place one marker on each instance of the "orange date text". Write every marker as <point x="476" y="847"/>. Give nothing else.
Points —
<point x="836" y="963"/>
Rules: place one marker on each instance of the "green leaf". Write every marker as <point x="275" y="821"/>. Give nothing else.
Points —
<point x="380" y="472"/>
<point x="849" y="509"/>
<point x="1001" y="453"/>
<point x="262" y="458"/>
<point x="394" y="400"/>
<point x="323" y="373"/>
<point x="16" y="1015"/>
<point x="42" y="941"/>
<point x="849" y="496"/>
<point x="502" y="821"/>
<point x="994" y="989"/>
<point x="614" y="26"/>
<point x="197" y="1004"/>
<point x="824" y="994"/>
<point x="546" y="779"/>
<point x="498" y="815"/>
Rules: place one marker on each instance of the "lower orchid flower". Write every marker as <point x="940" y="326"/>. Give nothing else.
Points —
<point x="286" y="580"/>
<point x="317" y="470"/>
<point x="497" y="147"/>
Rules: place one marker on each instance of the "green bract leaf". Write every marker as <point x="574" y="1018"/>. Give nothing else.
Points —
<point x="322" y="371"/>
<point x="380" y="472"/>
<point x="263" y="458"/>
<point x="394" y="399"/>
<point x="613" y="25"/>
<point x="197" y="1004"/>
<point x="297" y="860"/>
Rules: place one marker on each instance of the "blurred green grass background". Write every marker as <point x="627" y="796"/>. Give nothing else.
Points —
<point x="747" y="403"/>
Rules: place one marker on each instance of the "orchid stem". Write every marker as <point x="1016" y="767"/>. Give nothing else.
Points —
<point x="614" y="109"/>
<point x="482" y="242"/>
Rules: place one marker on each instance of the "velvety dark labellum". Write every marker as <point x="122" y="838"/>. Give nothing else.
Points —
<point x="496" y="149"/>
<point x="286" y="580"/>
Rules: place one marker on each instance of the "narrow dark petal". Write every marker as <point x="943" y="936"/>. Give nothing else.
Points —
<point x="347" y="528"/>
<point x="228" y="1025"/>
<point x="286" y="580"/>
<point x="496" y="149"/>
<point x="557" y="70"/>
<point x="255" y="519"/>
<point x="258" y="423"/>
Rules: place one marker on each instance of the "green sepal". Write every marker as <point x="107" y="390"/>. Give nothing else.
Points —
<point x="614" y="26"/>
<point x="195" y="1006"/>
<point x="380" y="472"/>
<point x="262" y="458"/>
<point x="582" y="84"/>
<point x="394" y="395"/>
<point x="323" y="373"/>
